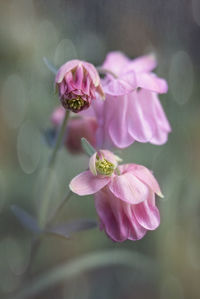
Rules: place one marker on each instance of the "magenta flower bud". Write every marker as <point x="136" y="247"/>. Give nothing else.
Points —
<point x="77" y="83"/>
<point x="124" y="196"/>
<point x="78" y="127"/>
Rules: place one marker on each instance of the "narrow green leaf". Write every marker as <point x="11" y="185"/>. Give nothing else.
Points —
<point x="50" y="66"/>
<point x="87" y="147"/>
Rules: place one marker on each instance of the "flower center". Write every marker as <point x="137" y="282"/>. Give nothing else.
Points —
<point x="76" y="104"/>
<point x="104" y="167"/>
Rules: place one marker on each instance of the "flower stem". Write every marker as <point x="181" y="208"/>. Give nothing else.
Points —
<point x="106" y="71"/>
<point x="60" y="207"/>
<point x="50" y="178"/>
<point x="59" y="139"/>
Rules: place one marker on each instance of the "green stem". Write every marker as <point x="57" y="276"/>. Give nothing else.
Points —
<point x="60" y="207"/>
<point x="59" y="139"/>
<point x="48" y="185"/>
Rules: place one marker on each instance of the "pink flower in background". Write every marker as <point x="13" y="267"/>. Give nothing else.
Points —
<point x="132" y="110"/>
<point x="77" y="82"/>
<point x="78" y="127"/>
<point x="124" y="196"/>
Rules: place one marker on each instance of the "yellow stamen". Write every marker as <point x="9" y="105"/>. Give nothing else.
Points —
<point x="104" y="167"/>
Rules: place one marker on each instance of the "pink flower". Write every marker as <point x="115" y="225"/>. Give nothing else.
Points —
<point x="78" y="127"/>
<point x="77" y="82"/>
<point x="124" y="196"/>
<point x="132" y="110"/>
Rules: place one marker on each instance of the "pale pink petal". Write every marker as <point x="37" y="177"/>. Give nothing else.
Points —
<point x="143" y="174"/>
<point x="146" y="176"/>
<point x="111" y="214"/>
<point x="151" y="82"/>
<point x="147" y="215"/>
<point x="136" y="231"/>
<point x="128" y="188"/>
<point x="140" y="117"/>
<point x="92" y="73"/>
<point x="58" y="116"/>
<point x="118" y="87"/>
<point x="79" y="77"/>
<point x="116" y="62"/>
<point x="163" y="127"/>
<point x="65" y="68"/>
<point x="92" y="164"/>
<point x="86" y="183"/>
<point x="116" y="122"/>
<point x="144" y="63"/>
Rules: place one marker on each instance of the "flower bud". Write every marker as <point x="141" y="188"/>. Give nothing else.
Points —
<point x="77" y="83"/>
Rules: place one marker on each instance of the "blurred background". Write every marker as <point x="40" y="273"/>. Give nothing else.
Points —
<point x="166" y="262"/>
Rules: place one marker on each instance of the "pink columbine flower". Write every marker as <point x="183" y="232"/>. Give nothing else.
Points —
<point x="124" y="196"/>
<point x="78" y="127"/>
<point x="77" y="82"/>
<point x="132" y="110"/>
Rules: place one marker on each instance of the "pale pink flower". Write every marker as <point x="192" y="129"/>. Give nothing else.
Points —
<point x="124" y="196"/>
<point x="77" y="82"/>
<point x="78" y="127"/>
<point x="132" y="110"/>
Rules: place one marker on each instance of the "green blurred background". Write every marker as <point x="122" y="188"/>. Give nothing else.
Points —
<point x="168" y="261"/>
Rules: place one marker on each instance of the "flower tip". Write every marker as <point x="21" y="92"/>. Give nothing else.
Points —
<point x="160" y="194"/>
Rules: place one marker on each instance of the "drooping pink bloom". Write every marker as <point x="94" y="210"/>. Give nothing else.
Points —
<point x="132" y="110"/>
<point x="124" y="196"/>
<point x="78" y="127"/>
<point x="77" y="82"/>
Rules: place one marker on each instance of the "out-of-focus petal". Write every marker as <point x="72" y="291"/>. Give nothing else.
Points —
<point x="151" y="82"/>
<point x="140" y="117"/>
<point x="116" y="124"/>
<point x="118" y="87"/>
<point x="58" y="116"/>
<point x="128" y="188"/>
<point x="143" y="64"/>
<point x="162" y="128"/>
<point x="86" y="183"/>
<point x="115" y="61"/>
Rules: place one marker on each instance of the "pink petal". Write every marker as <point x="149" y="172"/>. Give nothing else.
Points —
<point x="86" y="183"/>
<point x="115" y="61"/>
<point x="79" y="77"/>
<point x="140" y="117"/>
<point x="136" y="231"/>
<point x="65" y="68"/>
<point x="118" y="87"/>
<point x="144" y="63"/>
<point x="92" y="164"/>
<point x="147" y="215"/>
<point x="111" y="214"/>
<point x="128" y="188"/>
<point x="116" y="123"/>
<point x="162" y="128"/>
<point x="58" y="116"/>
<point x="146" y="176"/>
<point x="92" y="73"/>
<point x="151" y="82"/>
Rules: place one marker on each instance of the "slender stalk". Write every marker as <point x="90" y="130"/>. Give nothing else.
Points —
<point x="59" y="139"/>
<point x="106" y="71"/>
<point x="60" y="207"/>
<point x="48" y="184"/>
